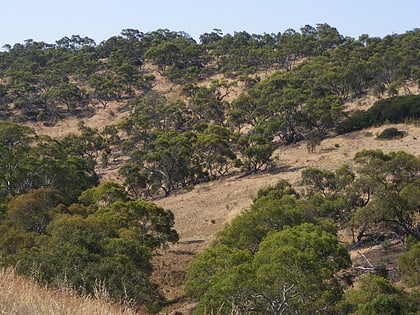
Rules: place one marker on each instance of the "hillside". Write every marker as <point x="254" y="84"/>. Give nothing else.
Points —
<point x="205" y="210"/>
<point x="201" y="213"/>
<point x="122" y="161"/>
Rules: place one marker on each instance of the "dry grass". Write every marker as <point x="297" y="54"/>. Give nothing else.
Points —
<point x="202" y="212"/>
<point x="19" y="296"/>
<point x="205" y="210"/>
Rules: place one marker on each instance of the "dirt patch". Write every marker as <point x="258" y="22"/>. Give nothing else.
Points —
<point x="381" y="259"/>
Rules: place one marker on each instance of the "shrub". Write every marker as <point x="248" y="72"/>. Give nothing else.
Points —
<point x="394" y="110"/>
<point x="356" y="121"/>
<point x="391" y="133"/>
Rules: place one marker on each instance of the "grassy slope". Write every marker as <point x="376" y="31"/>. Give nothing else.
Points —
<point x="202" y="212"/>
<point x="205" y="210"/>
<point x="21" y="296"/>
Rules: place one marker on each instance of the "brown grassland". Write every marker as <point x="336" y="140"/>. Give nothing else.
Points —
<point x="20" y="296"/>
<point x="203" y="211"/>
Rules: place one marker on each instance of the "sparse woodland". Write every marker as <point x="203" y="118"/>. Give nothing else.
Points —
<point x="234" y="100"/>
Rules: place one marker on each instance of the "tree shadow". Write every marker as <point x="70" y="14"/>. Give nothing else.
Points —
<point x="191" y="242"/>
<point x="182" y="252"/>
<point x="285" y="168"/>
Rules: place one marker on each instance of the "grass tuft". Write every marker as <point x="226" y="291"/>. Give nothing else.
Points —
<point x="20" y="296"/>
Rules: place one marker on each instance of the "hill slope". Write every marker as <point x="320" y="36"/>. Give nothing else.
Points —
<point x="202" y="212"/>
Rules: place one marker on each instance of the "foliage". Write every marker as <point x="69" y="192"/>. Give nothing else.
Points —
<point x="16" y="158"/>
<point x="376" y="295"/>
<point x="265" y="261"/>
<point x="293" y="271"/>
<point x="267" y="252"/>
<point x="257" y="149"/>
<point x="409" y="266"/>
<point x="391" y="133"/>
<point x="30" y="162"/>
<point x="380" y="199"/>
<point x="48" y="82"/>
<point x="326" y="191"/>
<point x="267" y="214"/>
<point x="391" y="181"/>
<point x="394" y="110"/>
<point x="108" y="241"/>
<point x="60" y="226"/>
<point x="33" y="211"/>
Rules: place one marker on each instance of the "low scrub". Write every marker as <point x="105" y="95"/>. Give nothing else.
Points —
<point x="394" y="110"/>
<point x="391" y="133"/>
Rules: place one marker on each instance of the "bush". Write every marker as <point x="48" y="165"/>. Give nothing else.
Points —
<point x="391" y="133"/>
<point x="356" y="121"/>
<point x="394" y="110"/>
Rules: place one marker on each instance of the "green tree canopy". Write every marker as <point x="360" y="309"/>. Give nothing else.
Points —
<point x="293" y="271"/>
<point x="376" y="295"/>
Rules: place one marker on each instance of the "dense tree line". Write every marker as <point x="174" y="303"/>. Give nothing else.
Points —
<point x="105" y="242"/>
<point x="40" y="79"/>
<point x="172" y="143"/>
<point x="29" y="162"/>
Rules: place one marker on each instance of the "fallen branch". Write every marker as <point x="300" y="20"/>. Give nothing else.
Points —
<point x="367" y="260"/>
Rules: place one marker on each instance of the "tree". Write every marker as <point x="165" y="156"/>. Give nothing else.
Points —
<point x="246" y="110"/>
<point x="163" y="55"/>
<point x="143" y="221"/>
<point x="376" y="295"/>
<point x="104" y="195"/>
<point x="213" y="149"/>
<point x="212" y="262"/>
<point x="409" y="265"/>
<point x="328" y="192"/>
<point x="106" y="244"/>
<point x="138" y="180"/>
<point x="88" y="144"/>
<point x="66" y="93"/>
<point x="33" y="211"/>
<point x="394" y="189"/>
<point x="168" y="161"/>
<point x="207" y="103"/>
<point x="256" y="149"/>
<point x="327" y="38"/>
<point x="268" y="214"/>
<point x="296" y="270"/>
<point x="16" y="158"/>
<point x="55" y="167"/>
<point x="292" y="272"/>
<point x="327" y="183"/>
<point x="86" y="254"/>
<point x="290" y="48"/>
<point x="14" y="239"/>
<point x="106" y="88"/>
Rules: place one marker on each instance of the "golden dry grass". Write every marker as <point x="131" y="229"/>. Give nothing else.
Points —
<point x="20" y="296"/>
<point x="202" y="212"/>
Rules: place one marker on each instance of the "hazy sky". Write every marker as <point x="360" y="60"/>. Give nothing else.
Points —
<point x="50" y="20"/>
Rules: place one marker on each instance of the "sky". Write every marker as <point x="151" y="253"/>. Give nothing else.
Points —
<point x="51" y="20"/>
